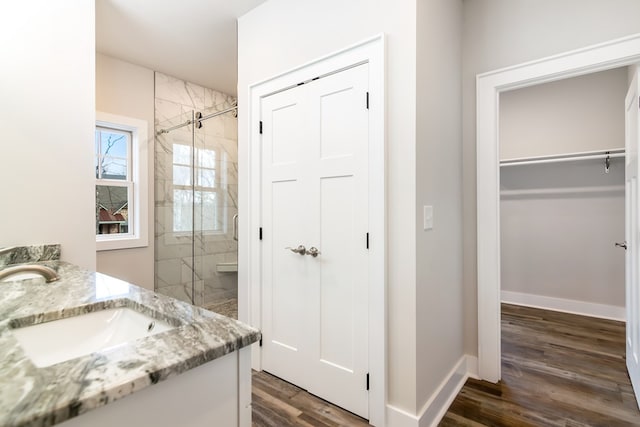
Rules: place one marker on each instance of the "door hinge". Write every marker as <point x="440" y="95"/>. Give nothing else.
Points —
<point x="367" y="100"/>
<point x="260" y="341"/>
<point x="367" y="240"/>
<point x="260" y="127"/>
<point x="260" y="233"/>
<point x="367" y="381"/>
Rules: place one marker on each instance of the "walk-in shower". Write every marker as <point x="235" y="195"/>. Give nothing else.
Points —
<point x="196" y="188"/>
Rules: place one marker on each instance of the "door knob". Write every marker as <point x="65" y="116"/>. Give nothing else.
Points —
<point x="299" y="250"/>
<point x="622" y="245"/>
<point x="313" y="251"/>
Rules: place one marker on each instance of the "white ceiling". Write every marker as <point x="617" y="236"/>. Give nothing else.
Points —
<point x="195" y="40"/>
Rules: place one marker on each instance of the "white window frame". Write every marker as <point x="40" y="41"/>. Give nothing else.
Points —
<point x="138" y="235"/>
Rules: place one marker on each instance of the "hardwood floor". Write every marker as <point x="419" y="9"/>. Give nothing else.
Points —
<point x="557" y="370"/>
<point x="277" y="403"/>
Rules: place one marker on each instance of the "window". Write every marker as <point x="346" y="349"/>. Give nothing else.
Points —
<point x="114" y="181"/>
<point x="120" y="161"/>
<point x="199" y="203"/>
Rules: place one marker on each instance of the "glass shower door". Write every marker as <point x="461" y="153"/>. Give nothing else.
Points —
<point x="196" y="201"/>
<point x="174" y="209"/>
<point x="216" y="205"/>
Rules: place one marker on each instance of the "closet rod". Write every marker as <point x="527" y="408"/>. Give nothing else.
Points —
<point x="605" y="155"/>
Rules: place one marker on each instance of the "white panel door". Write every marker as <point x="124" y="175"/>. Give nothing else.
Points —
<point x="339" y="222"/>
<point x="328" y="211"/>
<point x="632" y="230"/>
<point x="283" y="205"/>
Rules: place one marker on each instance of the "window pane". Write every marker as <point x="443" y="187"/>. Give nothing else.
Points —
<point x="112" y="210"/>
<point x="209" y="211"/>
<point x="207" y="215"/>
<point x="181" y="154"/>
<point x="95" y="165"/>
<point x="182" y="210"/>
<point x="113" y="168"/>
<point x="97" y="148"/>
<point x="206" y="178"/>
<point x="206" y="158"/>
<point x="113" y="143"/>
<point x="181" y="175"/>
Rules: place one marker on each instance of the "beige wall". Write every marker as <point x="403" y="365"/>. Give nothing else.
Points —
<point x="499" y="33"/>
<point x="574" y="115"/>
<point x="439" y="293"/>
<point x="282" y="34"/>
<point x="559" y="223"/>
<point x="47" y="124"/>
<point x="126" y="89"/>
<point x="631" y="71"/>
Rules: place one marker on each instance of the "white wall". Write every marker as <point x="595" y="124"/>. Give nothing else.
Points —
<point x="499" y="33"/>
<point x="282" y="34"/>
<point x="126" y="89"/>
<point x="439" y="293"/>
<point x="574" y="115"/>
<point x="47" y="123"/>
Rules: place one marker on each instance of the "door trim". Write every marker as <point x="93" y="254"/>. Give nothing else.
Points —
<point x="370" y="51"/>
<point x="608" y="55"/>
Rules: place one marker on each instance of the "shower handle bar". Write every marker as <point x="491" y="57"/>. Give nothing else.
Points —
<point x="235" y="227"/>
<point x="217" y="113"/>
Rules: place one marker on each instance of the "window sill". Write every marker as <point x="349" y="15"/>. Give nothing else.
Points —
<point x="129" y="242"/>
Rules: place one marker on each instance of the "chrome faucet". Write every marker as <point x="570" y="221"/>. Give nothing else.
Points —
<point x="48" y="273"/>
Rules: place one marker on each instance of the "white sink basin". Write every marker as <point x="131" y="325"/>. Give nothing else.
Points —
<point x="54" y="342"/>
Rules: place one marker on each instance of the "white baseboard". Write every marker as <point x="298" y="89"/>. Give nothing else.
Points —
<point x="397" y="417"/>
<point x="583" y="308"/>
<point x="436" y="407"/>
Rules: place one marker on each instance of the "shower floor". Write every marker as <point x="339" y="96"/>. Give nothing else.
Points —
<point x="227" y="307"/>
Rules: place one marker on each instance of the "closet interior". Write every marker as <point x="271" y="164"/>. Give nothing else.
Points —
<point x="562" y="188"/>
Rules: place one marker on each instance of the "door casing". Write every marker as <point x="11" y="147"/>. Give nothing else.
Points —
<point x="632" y="116"/>
<point x="371" y="51"/>
<point x="613" y="54"/>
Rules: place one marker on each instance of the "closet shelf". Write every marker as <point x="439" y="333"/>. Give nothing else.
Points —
<point x="570" y="157"/>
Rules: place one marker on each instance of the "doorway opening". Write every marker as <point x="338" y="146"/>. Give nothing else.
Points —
<point x="562" y="182"/>
<point x="562" y="208"/>
<point x="602" y="57"/>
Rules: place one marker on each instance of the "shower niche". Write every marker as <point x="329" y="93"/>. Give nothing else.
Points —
<point x="196" y="192"/>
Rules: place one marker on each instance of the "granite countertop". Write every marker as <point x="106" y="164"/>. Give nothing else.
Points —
<point x="32" y="396"/>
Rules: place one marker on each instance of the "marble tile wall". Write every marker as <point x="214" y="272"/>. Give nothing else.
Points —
<point x="183" y="256"/>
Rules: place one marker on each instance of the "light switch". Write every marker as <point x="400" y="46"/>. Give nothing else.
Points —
<point x="428" y="217"/>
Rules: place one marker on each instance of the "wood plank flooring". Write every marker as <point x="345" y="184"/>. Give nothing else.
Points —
<point x="277" y="403"/>
<point x="557" y="370"/>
